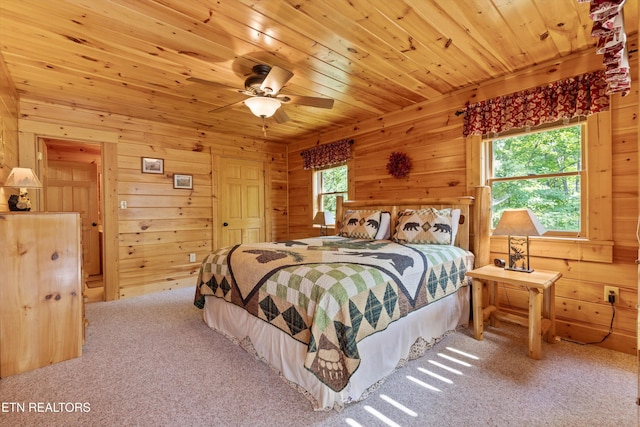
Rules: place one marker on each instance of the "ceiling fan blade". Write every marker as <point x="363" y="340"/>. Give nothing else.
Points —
<point x="210" y="83"/>
<point x="274" y="81"/>
<point x="280" y="116"/>
<point x="309" y="101"/>
<point x="226" y="107"/>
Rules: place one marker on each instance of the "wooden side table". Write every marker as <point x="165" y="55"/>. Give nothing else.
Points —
<point x="541" y="286"/>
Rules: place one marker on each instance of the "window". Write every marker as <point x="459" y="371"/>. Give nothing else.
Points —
<point x="542" y="171"/>
<point x="330" y="183"/>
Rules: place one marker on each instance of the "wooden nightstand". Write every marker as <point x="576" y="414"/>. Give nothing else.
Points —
<point x="541" y="286"/>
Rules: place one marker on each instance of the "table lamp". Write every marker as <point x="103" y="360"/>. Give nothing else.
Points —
<point x="21" y="178"/>
<point x="518" y="224"/>
<point x="323" y="218"/>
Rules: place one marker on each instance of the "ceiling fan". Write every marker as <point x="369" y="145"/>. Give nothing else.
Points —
<point x="262" y="88"/>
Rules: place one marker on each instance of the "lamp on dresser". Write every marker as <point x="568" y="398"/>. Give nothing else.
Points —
<point x="518" y="225"/>
<point x="21" y="178"/>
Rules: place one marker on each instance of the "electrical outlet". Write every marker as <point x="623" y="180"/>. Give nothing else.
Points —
<point x="192" y="257"/>
<point x="608" y="290"/>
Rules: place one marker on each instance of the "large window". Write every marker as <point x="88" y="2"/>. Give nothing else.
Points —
<point x="542" y="171"/>
<point x="330" y="183"/>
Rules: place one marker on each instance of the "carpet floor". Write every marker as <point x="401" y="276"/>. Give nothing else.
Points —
<point x="151" y="361"/>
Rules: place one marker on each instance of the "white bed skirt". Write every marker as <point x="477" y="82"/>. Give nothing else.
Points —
<point x="380" y="353"/>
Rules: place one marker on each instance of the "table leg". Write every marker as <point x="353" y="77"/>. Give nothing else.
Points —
<point x="478" y="314"/>
<point x="535" y="317"/>
<point x="494" y="300"/>
<point x="549" y="312"/>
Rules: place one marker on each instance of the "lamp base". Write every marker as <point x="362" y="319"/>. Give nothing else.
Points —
<point x="15" y="204"/>
<point x="522" y="270"/>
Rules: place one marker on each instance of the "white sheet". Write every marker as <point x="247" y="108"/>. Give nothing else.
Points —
<point x="380" y="353"/>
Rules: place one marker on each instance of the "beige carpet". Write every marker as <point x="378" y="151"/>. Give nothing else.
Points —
<point x="151" y="361"/>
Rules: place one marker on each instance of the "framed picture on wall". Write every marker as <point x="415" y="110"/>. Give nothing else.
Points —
<point x="183" y="181"/>
<point x="151" y="165"/>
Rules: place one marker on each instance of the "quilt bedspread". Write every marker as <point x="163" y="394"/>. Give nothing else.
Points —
<point x="332" y="292"/>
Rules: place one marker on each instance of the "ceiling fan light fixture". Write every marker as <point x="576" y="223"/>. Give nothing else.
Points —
<point x="262" y="106"/>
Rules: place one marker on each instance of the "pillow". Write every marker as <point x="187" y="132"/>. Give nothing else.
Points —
<point x="455" y="222"/>
<point x="360" y="224"/>
<point x="384" y="232"/>
<point x="428" y="225"/>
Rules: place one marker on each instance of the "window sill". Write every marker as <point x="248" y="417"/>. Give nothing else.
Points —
<point x="572" y="248"/>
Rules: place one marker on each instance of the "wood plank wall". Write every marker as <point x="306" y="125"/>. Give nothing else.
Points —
<point x="8" y="131"/>
<point x="438" y="169"/>
<point x="431" y="134"/>
<point x="161" y="225"/>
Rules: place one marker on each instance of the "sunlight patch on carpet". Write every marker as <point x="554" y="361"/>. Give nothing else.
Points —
<point x="436" y="376"/>
<point x="423" y="384"/>
<point x="381" y="416"/>
<point x="445" y="367"/>
<point x="455" y="360"/>
<point x="463" y="353"/>
<point x="398" y="405"/>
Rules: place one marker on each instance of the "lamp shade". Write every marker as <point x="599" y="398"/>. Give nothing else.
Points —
<point x="23" y="178"/>
<point x="519" y="222"/>
<point x="324" y="218"/>
<point x="262" y="106"/>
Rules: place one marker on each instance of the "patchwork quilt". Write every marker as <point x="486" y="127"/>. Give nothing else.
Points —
<point x="331" y="292"/>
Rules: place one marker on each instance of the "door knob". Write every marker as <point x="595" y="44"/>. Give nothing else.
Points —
<point x="225" y="224"/>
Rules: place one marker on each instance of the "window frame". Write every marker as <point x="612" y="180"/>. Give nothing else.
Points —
<point x="597" y="244"/>
<point x="581" y="173"/>
<point x="317" y="187"/>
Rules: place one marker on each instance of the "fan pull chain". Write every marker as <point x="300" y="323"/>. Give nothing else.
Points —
<point x="264" y="127"/>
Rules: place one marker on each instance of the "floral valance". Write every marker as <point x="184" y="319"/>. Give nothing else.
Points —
<point x="576" y="96"/>
<point x="608" y="27"/>
<point x="327" y="154"/>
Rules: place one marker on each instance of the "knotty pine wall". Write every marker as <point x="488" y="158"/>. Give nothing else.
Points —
<point x="8" y="131"/>
<point x="152" y="238"/>
<point x="162" y="225"/>
<point x="431" y="134"/>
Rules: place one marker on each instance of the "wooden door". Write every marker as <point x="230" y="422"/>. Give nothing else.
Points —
<point x="241" y="204"/>
<point x="73" y="187"/>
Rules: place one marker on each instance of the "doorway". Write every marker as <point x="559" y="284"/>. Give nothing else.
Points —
<point x="73" y="183"/>
<point x="241" y="206"/>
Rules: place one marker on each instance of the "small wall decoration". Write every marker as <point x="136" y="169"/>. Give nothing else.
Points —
<point x="399" y="165"/>
<point x="183" y="181"/>
<point x="151" y="165"/>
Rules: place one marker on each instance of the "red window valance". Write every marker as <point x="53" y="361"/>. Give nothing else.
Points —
<point x="327" y="154"/>
<point x="608" y="27"/>
<point x="576" y="96"/>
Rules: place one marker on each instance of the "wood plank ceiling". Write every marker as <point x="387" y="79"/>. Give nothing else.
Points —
<point x="134" y="57"/>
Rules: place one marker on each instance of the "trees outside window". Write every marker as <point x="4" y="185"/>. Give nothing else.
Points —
<point x="542" y="171"/>
<point x="330" y="183"/>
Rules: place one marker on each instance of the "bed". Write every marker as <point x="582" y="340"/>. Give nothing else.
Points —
<point x="335" y="315"/>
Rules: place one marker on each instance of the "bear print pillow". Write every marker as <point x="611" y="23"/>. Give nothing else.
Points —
<point x="428" y="225"/>
<point x="360" y="224"/>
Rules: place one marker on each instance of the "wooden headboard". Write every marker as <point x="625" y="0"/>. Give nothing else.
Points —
<point x="473" y="230"/>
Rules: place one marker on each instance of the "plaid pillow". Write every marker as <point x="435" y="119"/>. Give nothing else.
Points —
<point x="428" y="225"/>
<point x="360" y="224"/>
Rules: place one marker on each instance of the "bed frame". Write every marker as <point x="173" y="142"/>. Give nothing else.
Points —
<point x="473" y="229"/>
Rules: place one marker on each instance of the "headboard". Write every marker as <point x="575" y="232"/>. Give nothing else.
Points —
<point x="473" y="230"/>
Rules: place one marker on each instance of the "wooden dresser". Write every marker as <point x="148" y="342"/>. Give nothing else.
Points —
<point x="41" y="302"/>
